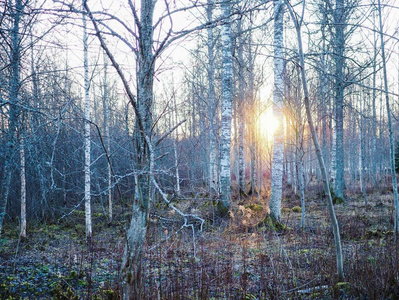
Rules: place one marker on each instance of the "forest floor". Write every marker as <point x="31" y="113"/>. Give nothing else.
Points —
<point x="240" y="257"/>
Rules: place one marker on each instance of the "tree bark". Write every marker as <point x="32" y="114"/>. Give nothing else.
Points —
<point x="23" y="188"/>
<point x="213" y="130"/>
<point x="339" y="59"/>
<point x="227" y="100"/>
<point x="130" y="275"/>
<point x="278" y="98"/>
<point x="13" y="111"/>
<point x="241" y="108"/>
<point x="106" y="111"/>
<point x="87" y="134"/>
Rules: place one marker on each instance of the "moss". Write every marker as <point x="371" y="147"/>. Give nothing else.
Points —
<point x="274" y="225"/>
<point x="109" y="294"/>
<point x="80" y="213"/>
<point x="343" y="285"/>
<point x="221" y="210"/>
<point x="335" y="198"/>
<point x="97" y="215"/>
<point x="303" y="251"/>
<point x="59" y="293"/>
<point x="254" y="207"/>
<point x="80" y="228"/>
<point x="286" y="210"/>
<point x="297" y="209"/>
<point x="73" y="274"/>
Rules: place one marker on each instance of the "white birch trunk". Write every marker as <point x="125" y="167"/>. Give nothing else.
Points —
<point x="23" y="188"/>
<point x="213" y="165"/>
<point x="391" y="137"/>
<point x="87" y="193"/>
<point x="278" y="94"/>
<point x="227" y="100"/>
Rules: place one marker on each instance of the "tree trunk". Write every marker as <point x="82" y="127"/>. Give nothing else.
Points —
<point x="106" y="111"/>
<point x="374" y="117"/>
<point x="339" y="58"/>
<point x="213" y="174"/>
<point x="227" y="100"/>
<point x="241" y="108"/>
<point x="13" y="111"/>
<point x="87" y="135"/>
<point x="278" y="97"/>
<point x="23" y="188"/>
<point x="131" y="264"/>
<point x="362" y="161"/>
<point x="390" y="132"/>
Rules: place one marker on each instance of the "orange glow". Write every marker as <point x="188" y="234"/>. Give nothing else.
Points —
<point x="267" y="124"/>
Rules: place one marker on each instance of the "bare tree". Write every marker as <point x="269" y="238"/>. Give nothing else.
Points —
<point x="390" y="132"/>
<point x="16" y="11"/>
<point x="333" y="218"/>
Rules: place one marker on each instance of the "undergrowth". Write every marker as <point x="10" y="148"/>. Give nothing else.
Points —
<point x="241" y="257"/>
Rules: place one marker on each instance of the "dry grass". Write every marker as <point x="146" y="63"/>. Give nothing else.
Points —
<point x="239" y="258"/>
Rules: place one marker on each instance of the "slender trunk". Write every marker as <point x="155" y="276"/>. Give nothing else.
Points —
<point x="250" y="120"/>
<point x="227" y="100"/>
<point x="278" y="94"/>
<point x="324" y="93"/>
<point x="300" y="153"/>
<point x="213" y="174"/>
<point x="23" y="188"/>
<point x="107" y="139"/>
<point x="13" y="110"/>
<point x="333" y="218"/>
<point x="241" y="109"/>
<point x="362" y="160"/>
<point x="374" y="120"/>
<point x="391" y="137"/>
<point x="87" y="135"/>
<point x="339" y="58"/>
<point x="175" y="140"/>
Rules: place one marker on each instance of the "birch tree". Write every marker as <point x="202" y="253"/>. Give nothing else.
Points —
<point x="23" y="187"/>
<point x="213" y="164"/>
<point x="278" y="98"/>
<point x="87" y="141"/>
<point x="227" y="101"/>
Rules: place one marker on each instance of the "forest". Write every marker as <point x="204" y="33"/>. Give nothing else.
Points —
<point x="199" y="149"/>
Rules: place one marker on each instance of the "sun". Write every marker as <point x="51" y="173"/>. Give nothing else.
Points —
<point x="268" y="124"/>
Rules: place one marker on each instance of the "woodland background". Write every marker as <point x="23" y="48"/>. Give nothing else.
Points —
<point x="181" y="127"/>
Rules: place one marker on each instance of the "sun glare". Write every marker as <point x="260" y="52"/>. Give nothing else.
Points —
<point x="267" y="124"/>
